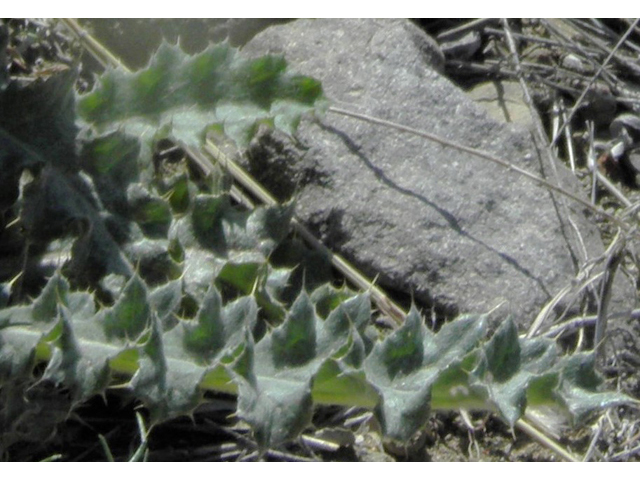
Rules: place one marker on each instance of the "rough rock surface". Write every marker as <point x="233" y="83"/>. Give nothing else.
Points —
<point x="453" y="230"/>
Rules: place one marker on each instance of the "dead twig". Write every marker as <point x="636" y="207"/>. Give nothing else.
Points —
<point x="537" y="122"/>
<point x="587" y="54"/>
<point x="542" y="41"/>
<point x="593" y="39"/>
<point x="611" y="267"/>
<point x="546" y="441"/>
<point x="472" y="25"/>
<point x="594" y="441"/>
<point x="101" y="54"/>
<point x="593" y="79"/>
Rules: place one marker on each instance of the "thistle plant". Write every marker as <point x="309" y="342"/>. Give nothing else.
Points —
<point x="132" y="268"/>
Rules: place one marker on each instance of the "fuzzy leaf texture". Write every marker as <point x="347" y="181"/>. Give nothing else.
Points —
<point x="182" y="96"/>
<point x="188" y="93"/>
<point x="405" y="365"/>
<point x="508" y="364"/>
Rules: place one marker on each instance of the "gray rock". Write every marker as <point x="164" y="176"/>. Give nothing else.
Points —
<point x="453" y="230"/>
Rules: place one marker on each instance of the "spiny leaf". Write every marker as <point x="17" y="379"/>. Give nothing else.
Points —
<point x="150" y="212"/>
<point x="294" y="342"/>
<point x="165" y="300"/>
<point x="341" y="379"/>
<point x="18" y="352"/>
<point x="174" y="363"/>
<point x="276" y="374"/>
<point x="25" y="328"/>
<point x="277" y="408"/>
<point x="354" y="312"/>
<point x="45" y="307"/>
<point x="220" y="241"/>
<point x="179" y="190"/>
<point x="303" y="360"/>
<point x="217" y="328"/>
<point x="82" y="352"/>
<point x="260" y="280"/>
<point x="508" y="365"/>
<point x="84" y="369"/>
<point x="131" y="314"/>
<point x="151" y="381"/>
<point x="405" y="365"/>
<point x="187" y="94"/>
<point x="579" y="387"/>
<point x="229" y="231"/>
